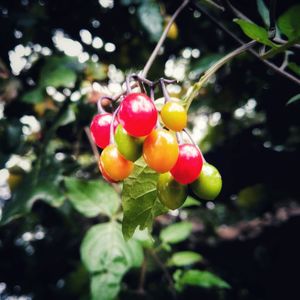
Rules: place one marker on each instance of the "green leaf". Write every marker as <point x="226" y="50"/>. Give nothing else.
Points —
<point x="104" y="249"/>
<point x="136" y="253"/>
<point x="95" y="71"/>
<point x="105" y="286"/>
<point x="184" y="258"/>
<point x="60" y="77"/>
<point x="255" y="32"/>
<point x="34" y="96"/>
<point x="139" y="201"/>
<point x="293" y="99"/>
<point x="282" y="48"/>
<point x="204" y="63"/>
<point x="43" y="183"/>
<point x="289" y="22"/>
<point x="294" y="67"/>
<point x="151" y="19"/>
<point x="59" y="71"/>
<point x="203" y="279"/>
<point x="92" y="197"/>
<point x="263" y="11"/>
<point x="176" y="233"/>
<point x="144" y="238"/>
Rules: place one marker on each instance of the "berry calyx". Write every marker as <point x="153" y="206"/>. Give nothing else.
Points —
<point x="209" y="184"/>
<point x="171" y="193"/>
<point x="100" y="129"/>
<point x="174" y="116"/>
<point x="115" y="166"/>
<point x="160" y="150"/>
<point x="137" y="114"/>
<point x="188" y="165"/>
<point x="130" y="147"/>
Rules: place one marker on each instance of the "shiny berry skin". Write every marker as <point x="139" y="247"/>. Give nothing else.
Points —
<point x="100" y="129"/>
<point x="188" y="165"/>
<point x="174" y="116"/>
<point x="160" y="150"/>
<point x="116" y="167"/>
<point x="209" y="184"/>
<point x="130" y="147"/>
<point x="104" y="174"/>
<point x="137" y="114"/>
<point x="171" y="193"/>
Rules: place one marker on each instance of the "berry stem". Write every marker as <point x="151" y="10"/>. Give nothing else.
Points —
<point x="100" y="108"/>
<point x="164" y="90"/>
<point x="193" y="142"/>
<point x="111" y="129"/>
<point x="162" y="38"/>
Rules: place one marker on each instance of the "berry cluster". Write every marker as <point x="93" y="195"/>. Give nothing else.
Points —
<point x="136" y="129"/>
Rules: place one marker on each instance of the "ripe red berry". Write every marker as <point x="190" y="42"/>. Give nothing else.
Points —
<point x="137" y="114"/>
<point x="100" y="129"/>
<point x="188" y="165"/>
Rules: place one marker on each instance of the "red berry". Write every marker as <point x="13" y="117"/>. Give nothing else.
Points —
<point x="188" y="165"/>
<point x="137" y="114"/>
<point x="100" y="129"/>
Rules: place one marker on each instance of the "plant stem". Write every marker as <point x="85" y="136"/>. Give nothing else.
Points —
<point x="92" y="143"/>
<point x="162" y="38"/>
<point x="165" y="271"/>
<point x="254" y="53"/>
<point x="142" y="277"/>
<point x="194" y="90"/>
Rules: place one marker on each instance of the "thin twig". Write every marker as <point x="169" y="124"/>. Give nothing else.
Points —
<point x="193" y="91"/>
<point x="142" y="276"/>
<point x="157" y="47"/>
<point x="165" y="271"/>
<point x="92" y="143"/>
<point x="162" y="38"/>
<point x="253" y="52"/>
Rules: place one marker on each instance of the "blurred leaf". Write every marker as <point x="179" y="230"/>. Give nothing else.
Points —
<point x="10" y="135"/>
<point x="294" y="67"/>
<point x="95" y="71"/>
<point x="203" y="279"/>
<point x="251" y="197"/>
<point x="263" y="11"/>
<point x="36" y="95"/>
<point x="144" y="238"/>
<point x="105" y="286"/>
<point x="60" y="77"/>
<point x="204" y="63"/>
<point x="136" y="253"/>
<point x="176" y="233"/>
<point x="184" y="258"/>
<point x="293" y="99"/>
<point x="59" y="71"/>
<point x="151" y="19"/>
<point x="289" y="22"/>
<point x="104" y="249"/>
<point x="92" y="197"/>
<point x="255" y="32"/>
<point x="108" y="257"/>
<point x="139" y="201"/>
<point x="130" y="2"/>
<point x="41" y="184"/>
